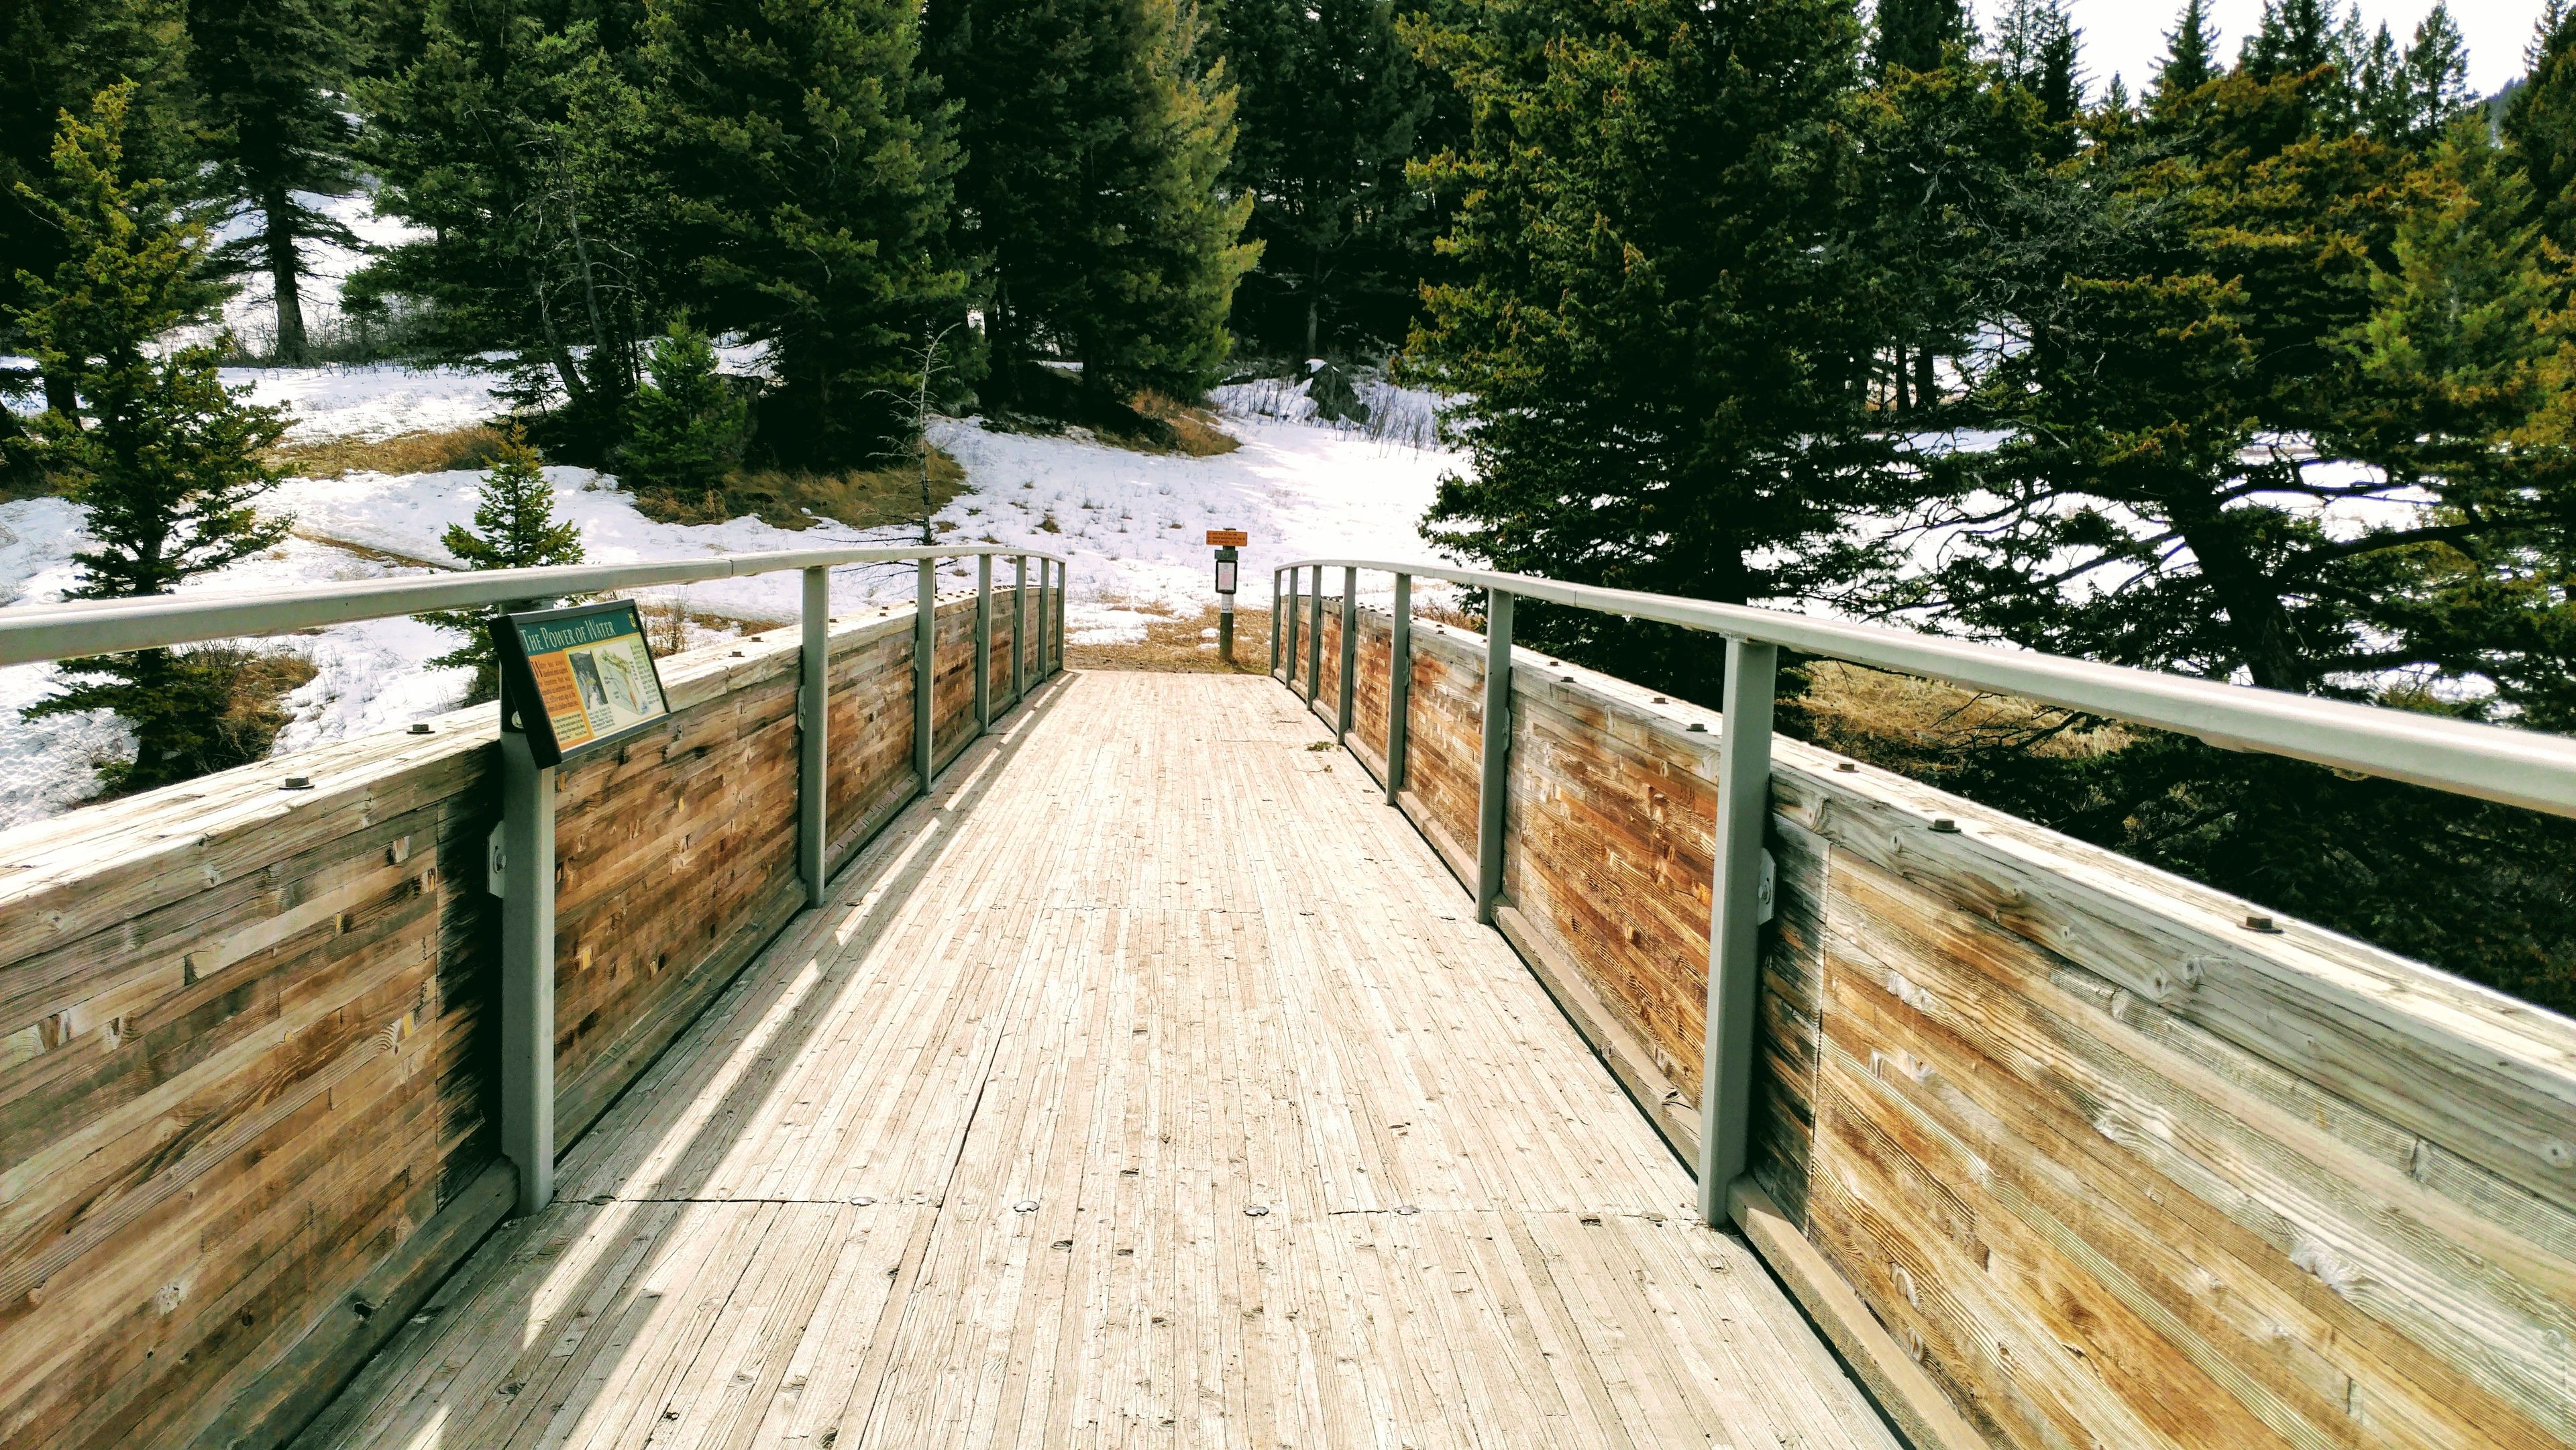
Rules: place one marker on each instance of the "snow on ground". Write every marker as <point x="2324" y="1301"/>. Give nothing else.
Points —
<point x="1133" y="525"/>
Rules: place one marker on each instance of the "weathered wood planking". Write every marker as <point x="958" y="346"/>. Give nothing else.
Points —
<point x="246" y="1037"/>
<point x="966" y="1159"/>
<point x="2112" y="1168"/>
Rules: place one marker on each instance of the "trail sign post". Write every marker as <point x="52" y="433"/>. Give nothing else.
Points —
<point x="572" y="681"/>
<point x="1226" y="541"/>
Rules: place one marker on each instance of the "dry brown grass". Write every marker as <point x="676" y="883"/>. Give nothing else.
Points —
<point x="864" y="499"/>
<point x="456" y="448"/>
<point x="1194" y="426"/>
<point x="1175" y="645"/>
<point x="1924" y="727"/>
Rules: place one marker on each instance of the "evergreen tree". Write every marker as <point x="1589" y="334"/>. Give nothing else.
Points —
<point x="2178" y="311"/>
<point x="2540" y="125"/>
<point x="1653" y="318"/>
<point x="1098" y="134"/>
<point x="168" y="462"/>
<point x="519" y="150"/>
<point x="809" y="169"/>
<point x="2190" y="53"/>
<point x="2299" y="38"/>
<point x="514" y="528"/>
<point x="59" y="54"/>
<point x="688" y="428"/>
<point x="2407" y="98"/>
<point x="1916" y="35"/>
<point x="1331" y="106"/>
<point x="268" y="77"/>
<point x="2468" y="355"/>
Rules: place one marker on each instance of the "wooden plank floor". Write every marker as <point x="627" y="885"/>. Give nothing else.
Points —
<point x="1151" y="1084"/>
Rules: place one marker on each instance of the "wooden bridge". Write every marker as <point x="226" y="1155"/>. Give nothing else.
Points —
<point x="1139" y="1066"/>
<point x="1151" y="1082"/>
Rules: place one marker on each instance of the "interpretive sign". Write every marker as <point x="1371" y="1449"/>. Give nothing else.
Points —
<point x="578" y="678"/>
<point x="1225" y="538"/>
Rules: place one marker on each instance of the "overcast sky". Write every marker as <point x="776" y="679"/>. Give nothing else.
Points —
<point x="2128" y="36"/>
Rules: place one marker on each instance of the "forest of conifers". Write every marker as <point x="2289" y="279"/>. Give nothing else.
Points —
<point x="2262" y="367"/>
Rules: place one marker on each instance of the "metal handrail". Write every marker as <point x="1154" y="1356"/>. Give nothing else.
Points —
<point x="2527" y="768"/>
<point x="2516" y="767"/>
<point x="34" y="633"/>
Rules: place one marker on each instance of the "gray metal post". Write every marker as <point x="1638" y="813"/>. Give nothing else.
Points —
<point x="528" y="970"/>
<point x="813" y="724"/>
<point x="1350" y="652"/>
<point x="1288" y="654"/>
<point x="1063" y="587"/>
<point x="1020" y="631"/>
<point x="1497" y="759"/>
<point x="925" y="651"/>
<point x="1274" y="621"/>
<point x="1734" y="927"/>
<point x="983" y="643"/>
<point x="1315" y="638"/>
<point x="1046" y="665"/>
<point x="1399" y="685"/>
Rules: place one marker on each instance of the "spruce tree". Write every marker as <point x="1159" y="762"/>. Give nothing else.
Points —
<point x="2189" y="60"/>
<point x="514" y="528"/>
<point x="522" y="153"/>
<point x="1097" y="134"/>
<point x="2540" y="125"/>
<point x="1916" y="34"/>
<point x="1331" y="106"/>
<point x="809" y="169"/>
<point x="1653" y="314"/>
<point x="687" y="432"/>
<point x="59" y="55"/>
<point x="268" y="77"/>
<point x="168" y="463"/>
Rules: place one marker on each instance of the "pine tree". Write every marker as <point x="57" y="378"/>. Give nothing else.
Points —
<point x="1330" y="107"/>
<point x="168" y="463"/>
<point x="2468" y="354"/>
<point x="2189" y="60"/>
<point x="1916" y="35"/>
<point x="687" y="432"/>
<point x="522" y="154"/>
<point x="1653" y="318"/>
<point x="514" y="528"/>
<point x="809" y="169"/>
<point x="2407" y="98"/>
<point x="2540" y="125"/>
<point x="268" y="77"/>
<point x="60" y="54"/>
<point x="1097" y="133"/>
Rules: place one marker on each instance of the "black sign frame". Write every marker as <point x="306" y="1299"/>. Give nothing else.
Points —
<point x="519" y="681"/>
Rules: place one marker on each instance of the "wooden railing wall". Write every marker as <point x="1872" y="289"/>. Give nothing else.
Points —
<point x="2107" y="1165"/>
<point x="248" y="1041"/>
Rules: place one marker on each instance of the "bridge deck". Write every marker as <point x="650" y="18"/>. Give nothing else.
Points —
<point x="1150" y="1083"/>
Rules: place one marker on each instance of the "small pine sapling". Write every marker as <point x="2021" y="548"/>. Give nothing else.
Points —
<point x="169" y="464"/>
<point x="686" y="432"/>
<point x="514" y="528"/>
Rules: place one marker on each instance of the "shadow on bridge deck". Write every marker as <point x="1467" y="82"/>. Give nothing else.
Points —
<point x="1149" y="1082"/>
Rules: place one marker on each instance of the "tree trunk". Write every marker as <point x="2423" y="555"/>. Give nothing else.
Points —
<point x="60" y="395"/>
<point x="2255" y="618"/>
<point x="284" y="267"/>
<point x="1927" y="384"/>
<point x="1904" y="403"/>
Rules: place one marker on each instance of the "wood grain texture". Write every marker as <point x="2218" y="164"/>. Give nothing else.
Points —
<point x="966" y="1159"/>
<point x="247" y="1048"/>
<point x="2111" y="1168"/>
